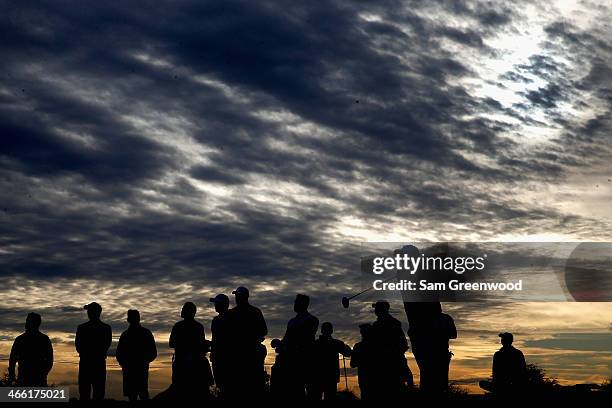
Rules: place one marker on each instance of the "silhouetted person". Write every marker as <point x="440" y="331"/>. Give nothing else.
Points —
<point x="430" y="331"/>
<point x="221" y="353"/>
<point x="363" y="358"/>
<point x="93" y="338"/>
<point x="278" y="377"/>
<point x="135" y="350"/>
<point x="32" y="353"/>
<point x="191" y="374"/>
<point x="509" y="368"/>
<point x="297" y="347"/>
<point x="442" y="330"/>
<point x="249" y="329"/>
<point x="327" y="364"/>
<point x="390" y="344"/>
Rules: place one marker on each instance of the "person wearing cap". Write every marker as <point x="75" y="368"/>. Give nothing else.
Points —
<point x="509" y="367"/>
<point x="135" y="351"/>
<point x="92" y="341"/>
<point x="191" y="373"/>
<point x="390" y="344"/>
<point x="221" y="352"/>
<point x="326" y="357"/>
<point x="298" y="343"/>
<point x="32" y="353"/>
<point x="248" y="328"/>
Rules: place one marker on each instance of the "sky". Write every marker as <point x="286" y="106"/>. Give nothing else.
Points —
<point x="160" y="152"/>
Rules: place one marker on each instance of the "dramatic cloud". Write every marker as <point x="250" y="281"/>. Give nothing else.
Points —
<point x="172" y="150"/>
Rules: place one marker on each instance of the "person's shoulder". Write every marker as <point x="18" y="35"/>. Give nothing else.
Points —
<point x="394" y="321"/>
<point x="43" y="336"/>
<point x="338" y="342"/>
<point x="144" y="332"/>
<point x="84" y="326"/>
<point x="447" y="317"/>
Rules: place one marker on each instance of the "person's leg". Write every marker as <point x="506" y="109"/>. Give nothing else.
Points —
<point x="329" y="391"/>
<point x="84" y="381"/>
<point x="144" y="392"/>
<point x="99" y="380"/>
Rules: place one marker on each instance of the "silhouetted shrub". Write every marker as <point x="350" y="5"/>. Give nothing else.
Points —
<point x="538" y="381"/>
<point x="4" y="380"/>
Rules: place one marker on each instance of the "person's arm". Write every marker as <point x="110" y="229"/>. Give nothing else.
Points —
<point x="345" y="350"/>
<point x="108" y="339"/>
<point x="523" y="365"/>
<point x="119" y="352"/>
<point x="77" y="340"/>
<point x="263" y="328"/>
<point x="153" y="347"/>
<point x="172" y="340"/>
<point x="495" y="370"/>
<point x="49" y="356"/>
<point x="452" y="333"/>
<point x="355" y="357"/>
<point x="314" y="328"/>
<point x="402" y="341"/>
<point x="14" y="356"/>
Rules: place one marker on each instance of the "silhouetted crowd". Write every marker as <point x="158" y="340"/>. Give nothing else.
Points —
<point x="305" y="367"/>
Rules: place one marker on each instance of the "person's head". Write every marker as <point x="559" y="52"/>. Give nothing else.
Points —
<point x="506" y="338"/>
<point x="327" y="329"/>
<point x="189" y="310"/>
<point x="221" y="302"/>
<point x="133" y="316"/>
<point x="301" y="303"/>
<point x="94" y="310"/>
<point x="33" y="321"/>
<point x="365" y="330"/>
<point x="242" y="295"/>
<point x="381" y="308"/>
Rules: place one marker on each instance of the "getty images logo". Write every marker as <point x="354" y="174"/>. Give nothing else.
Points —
<point x="409" y="260"/>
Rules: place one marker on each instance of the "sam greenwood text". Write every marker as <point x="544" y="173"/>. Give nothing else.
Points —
<point x="455" y="285"/>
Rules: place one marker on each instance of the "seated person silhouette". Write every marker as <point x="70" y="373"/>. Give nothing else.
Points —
<point x="326" y="375"/>
<point x="509" y="368"/>
<point x="191" y="373"/>
<point x="32" y="353"/>
<point x="136" y="349"/>
<point x="93" y="338"/>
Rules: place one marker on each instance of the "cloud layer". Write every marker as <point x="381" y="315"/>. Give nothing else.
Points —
<point x="172" y="150"/>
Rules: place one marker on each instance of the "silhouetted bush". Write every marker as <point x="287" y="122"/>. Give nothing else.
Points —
<point x="606" y="386"/>
<point x="4" y="380"/>
<point x="538" y="381"/>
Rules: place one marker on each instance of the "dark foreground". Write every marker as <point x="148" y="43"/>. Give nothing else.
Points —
<point x="575" y="399"/>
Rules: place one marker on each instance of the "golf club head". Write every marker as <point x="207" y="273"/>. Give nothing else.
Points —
<point x="345" y="302"/>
